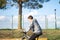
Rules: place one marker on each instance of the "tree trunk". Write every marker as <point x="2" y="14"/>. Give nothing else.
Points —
<point x="20" y="16"/>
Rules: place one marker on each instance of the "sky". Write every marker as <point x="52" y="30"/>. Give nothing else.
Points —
<point x="39" y="14"/>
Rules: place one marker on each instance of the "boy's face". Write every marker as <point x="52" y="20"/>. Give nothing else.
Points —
<point x="30" y="20"/>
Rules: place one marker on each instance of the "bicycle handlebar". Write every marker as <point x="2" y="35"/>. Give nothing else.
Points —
<point x="24" y="32"/>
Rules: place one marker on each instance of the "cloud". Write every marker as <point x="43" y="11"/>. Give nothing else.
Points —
<point x="58" y="17"/>
<point x="58" y="22"/>
<point x="40" y="18"/>
<point x="8" y="19"/>
<point x="2" y="17"/>
<point x="33" y="13"/>
<point x="15" y="19"/>
<point x="51" y="17"/>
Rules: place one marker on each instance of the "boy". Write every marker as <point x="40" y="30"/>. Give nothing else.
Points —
<point x="35" y="27"/>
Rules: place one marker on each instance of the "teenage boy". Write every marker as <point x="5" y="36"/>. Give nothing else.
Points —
<point x="35" y="27"/>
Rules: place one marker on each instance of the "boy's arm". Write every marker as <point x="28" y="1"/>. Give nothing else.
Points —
<point x="31" y="26"/>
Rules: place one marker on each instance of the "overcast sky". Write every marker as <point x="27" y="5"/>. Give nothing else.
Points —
<point x="39" y="14"/>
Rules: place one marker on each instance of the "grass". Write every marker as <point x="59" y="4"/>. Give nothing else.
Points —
<point x="8" y="33"/>
<point x="51" y="34"/>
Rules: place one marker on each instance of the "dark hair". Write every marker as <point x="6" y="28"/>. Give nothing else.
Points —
<point x="30" y="17"/>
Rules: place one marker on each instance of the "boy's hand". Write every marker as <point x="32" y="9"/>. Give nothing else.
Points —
<point x="24" y="32"/>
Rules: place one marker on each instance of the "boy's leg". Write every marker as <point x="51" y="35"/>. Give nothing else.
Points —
<point x="33" y="37"/>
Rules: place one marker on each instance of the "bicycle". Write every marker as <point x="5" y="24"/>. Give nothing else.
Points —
<point x="25" y="36"/>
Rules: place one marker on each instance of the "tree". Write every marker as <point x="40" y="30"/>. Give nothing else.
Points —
<point x="32" y="4"/>
<point x="2" y="3"/>
<point x="59" y="2"/>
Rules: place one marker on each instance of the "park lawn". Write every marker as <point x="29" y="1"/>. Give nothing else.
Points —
<point x="51" y="34"/>
<point x="9" y="33"/>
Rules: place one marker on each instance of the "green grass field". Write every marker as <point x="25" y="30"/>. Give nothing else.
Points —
<point x="51" y="34"/>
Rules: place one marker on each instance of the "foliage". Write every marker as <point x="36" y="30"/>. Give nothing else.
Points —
<point x="2" y="3"/>
<point x="32" y="4"/>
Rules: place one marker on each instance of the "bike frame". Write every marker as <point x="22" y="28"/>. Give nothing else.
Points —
<point x="25" y="36"/>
